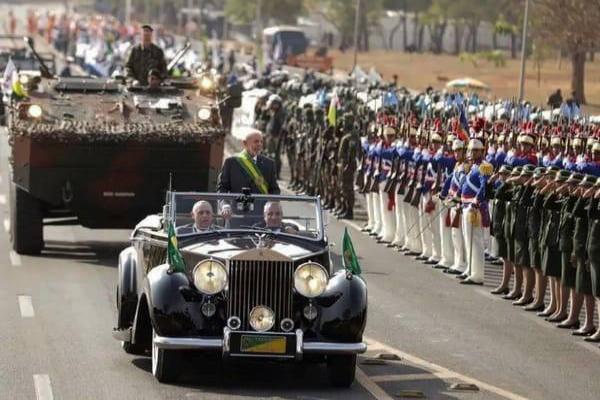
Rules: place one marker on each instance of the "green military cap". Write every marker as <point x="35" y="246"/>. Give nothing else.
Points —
<point x="528" y="170"/>
<point x="562" y="175"/>
<point x="148" y="27"/>
<point x="516" y="171"/>
<point x="575" y="177"/>
<point x="505" y="169"/>
<point x="539" y="172"/>
<point x="589" y="181"/>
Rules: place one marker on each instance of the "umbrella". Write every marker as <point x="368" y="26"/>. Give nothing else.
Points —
<point x="467" y="83"/>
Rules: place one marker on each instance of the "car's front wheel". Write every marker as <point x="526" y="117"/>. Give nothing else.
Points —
<point x="165" y="363"/>
<point x="341" y="370"/>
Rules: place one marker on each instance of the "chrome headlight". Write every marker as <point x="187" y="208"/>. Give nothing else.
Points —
<point x="204" y="113"/>
<point x="262" y="318"/>
<point x="210" y="276"/>
<point x="310" y="279"/>
<point x="206" y="84"/>
<point x="34" y="111"/>
<point x="23" y="79"/>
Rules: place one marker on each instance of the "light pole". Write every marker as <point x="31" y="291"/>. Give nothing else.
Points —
<point x="523" y="52"/>
<point x="356" y="17"/>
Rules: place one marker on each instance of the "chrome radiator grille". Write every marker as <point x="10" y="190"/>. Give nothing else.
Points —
<point x="268" y="283"/>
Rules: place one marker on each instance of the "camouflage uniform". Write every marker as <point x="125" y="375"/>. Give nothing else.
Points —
<point x="346" y="161"/>
<point x="142" y="59"/>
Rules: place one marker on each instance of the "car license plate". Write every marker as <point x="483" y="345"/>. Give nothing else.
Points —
<point x="265" y="344"/>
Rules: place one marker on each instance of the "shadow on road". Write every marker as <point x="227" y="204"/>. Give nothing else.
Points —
<point x="259" y="379"/>
<point x="101" y="253"/>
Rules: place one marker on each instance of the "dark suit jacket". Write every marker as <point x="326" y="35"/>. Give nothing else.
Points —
<point x="233" y="177"/>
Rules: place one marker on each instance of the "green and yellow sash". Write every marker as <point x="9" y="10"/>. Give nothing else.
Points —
<point x="248" y="165"/>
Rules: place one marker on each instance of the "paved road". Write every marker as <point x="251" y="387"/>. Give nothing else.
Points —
<point x="57" y="312"/>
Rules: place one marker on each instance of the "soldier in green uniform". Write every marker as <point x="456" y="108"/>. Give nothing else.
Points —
<point x="551" y="261"/>
<point x="144" y="57"/>
<point x="583" y="279"/>
<point x="593" y="252"/>
<point x="346" y="163"/>
<point x="289" y="142"/>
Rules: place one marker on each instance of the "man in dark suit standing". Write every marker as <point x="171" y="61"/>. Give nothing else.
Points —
<point x="249" y="169"/>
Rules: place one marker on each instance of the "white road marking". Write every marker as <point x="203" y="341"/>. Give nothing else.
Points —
<point x="371" y="386"/>
<point x="2" y="199"/>
<point x="411" y="377"/>
<point x="15" y="259"/>
<point x="6" y="224"/>
<point x="43" y="388"/>
<point x="26" y="307"/>
<point x="437" y="369"/>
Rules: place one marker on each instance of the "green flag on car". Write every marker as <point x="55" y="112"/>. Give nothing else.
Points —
<point x="174" y="258"/>
<point x="349" y="259"/>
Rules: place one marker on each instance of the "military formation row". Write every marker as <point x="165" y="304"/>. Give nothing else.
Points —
<point x="451" y="187"/>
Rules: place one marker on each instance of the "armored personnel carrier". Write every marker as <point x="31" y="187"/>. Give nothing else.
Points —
<point x="99" y="153"/>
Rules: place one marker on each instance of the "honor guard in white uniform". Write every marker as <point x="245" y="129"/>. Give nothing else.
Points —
<point x="476" y="215"/>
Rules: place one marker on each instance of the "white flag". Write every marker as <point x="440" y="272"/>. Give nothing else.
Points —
<point x="7" y="79"/>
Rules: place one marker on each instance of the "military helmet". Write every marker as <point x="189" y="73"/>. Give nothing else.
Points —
<point x="458" y="145"/>
<point x="505" y="169"/>
<point x="562" y="176"/>
<point x="589" y="181"/>
<point x="528" y="170"/>
<point x="516" y="171"/>
<point x="539" y="172"/>
<point x="575" y="178"/>
<point x="475" y="144"/>
<point x="389" y="131"/>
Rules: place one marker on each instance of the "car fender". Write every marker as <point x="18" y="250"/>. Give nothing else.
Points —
<point x="343" y="308"/>
<point x="168" y="309"/>
<point x="127" y="297"/>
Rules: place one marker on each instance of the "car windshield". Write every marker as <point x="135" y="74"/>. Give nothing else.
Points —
<point x="194" y="213"/>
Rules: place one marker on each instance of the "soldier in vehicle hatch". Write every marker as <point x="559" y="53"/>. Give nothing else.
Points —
<point x="144" y="57"/>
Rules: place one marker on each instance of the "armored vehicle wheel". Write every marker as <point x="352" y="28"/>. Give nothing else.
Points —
<point x="341" y="370"/>
<point x="165" y="363"/>
<point x="26" y="222"/>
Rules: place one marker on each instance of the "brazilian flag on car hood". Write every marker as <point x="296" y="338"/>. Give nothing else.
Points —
<point x="174" y="258"/>
<point x="349" y="259"/>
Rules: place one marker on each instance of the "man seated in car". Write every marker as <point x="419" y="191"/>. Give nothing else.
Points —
<point x="203" y="215"/>
<point x="273" y="215"/>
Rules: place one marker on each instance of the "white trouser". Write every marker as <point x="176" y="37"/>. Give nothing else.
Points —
<point x="370" y="216"/>
<point x="406" y="221"/>
<point x="447" y="259"/>
<point x="376" y="213"/>
<point x="399" y="211"/>
<point x="434" y="224"/>
<point x="473" y="236"/>
<point x="425" y="228"/>
<point x="494" y="251"/>
<point x="413" y="236"/>
<point x="388" y="217"/>
<point x="459" y="245"/>
<point x="487" y="240"/>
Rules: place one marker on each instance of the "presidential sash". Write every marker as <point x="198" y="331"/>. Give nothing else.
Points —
<point x="253" y="172"/>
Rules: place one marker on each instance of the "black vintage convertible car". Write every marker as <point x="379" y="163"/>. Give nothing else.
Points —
<point x="258" y="284"/>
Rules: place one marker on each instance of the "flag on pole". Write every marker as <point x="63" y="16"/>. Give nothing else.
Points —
<point x="349" y="258"/>
<point x="332" y="113"/>
<point x="7" y="79"/>
<point x="174" y="258"/>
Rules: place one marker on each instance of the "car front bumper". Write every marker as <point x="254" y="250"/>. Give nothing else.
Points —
<point x="222" y="345"/>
